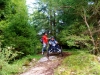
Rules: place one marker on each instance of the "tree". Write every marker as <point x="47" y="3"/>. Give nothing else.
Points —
<point x="16" y="28"/>
<point x="77" y="11"/>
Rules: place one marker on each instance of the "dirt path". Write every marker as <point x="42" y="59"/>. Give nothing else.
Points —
<point x="45" y="66"/>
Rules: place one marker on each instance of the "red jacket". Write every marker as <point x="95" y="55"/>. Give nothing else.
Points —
<point x="45" y="39"/>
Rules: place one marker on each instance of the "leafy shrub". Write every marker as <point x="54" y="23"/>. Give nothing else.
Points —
<point x="22" y="35"/>
<point x="7" y="54"/>
<point x="74" y="36"/>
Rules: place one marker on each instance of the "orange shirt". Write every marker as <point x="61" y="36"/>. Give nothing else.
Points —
<point x="45" y="39"/>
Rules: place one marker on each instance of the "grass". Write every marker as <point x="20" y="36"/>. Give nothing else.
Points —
<point x="79" y="63"/>
<point x="17" y="66"/>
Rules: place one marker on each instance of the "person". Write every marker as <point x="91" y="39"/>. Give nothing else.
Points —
<point x="52" y="41"/>
<point x="44" y="42"/>
<point x="53" y="44"/>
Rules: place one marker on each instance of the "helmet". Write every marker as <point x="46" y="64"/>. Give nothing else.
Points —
<point x="52" y="37"/>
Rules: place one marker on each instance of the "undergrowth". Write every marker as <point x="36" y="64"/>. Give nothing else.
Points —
<point x="79" y="62"/>
<point x="17" y="66"/>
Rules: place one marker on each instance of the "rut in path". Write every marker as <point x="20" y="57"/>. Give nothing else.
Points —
<point x="44" y="66"/>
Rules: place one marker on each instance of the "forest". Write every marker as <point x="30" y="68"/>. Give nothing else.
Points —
<point x="74" y="23"/>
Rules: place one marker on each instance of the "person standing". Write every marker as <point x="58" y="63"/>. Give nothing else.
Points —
<point x="44" y="42"/>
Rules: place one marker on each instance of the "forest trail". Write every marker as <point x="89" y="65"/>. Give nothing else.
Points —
<point x="45" y="66"/>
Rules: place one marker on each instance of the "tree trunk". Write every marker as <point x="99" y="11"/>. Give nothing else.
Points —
<point x="91" y="36"/>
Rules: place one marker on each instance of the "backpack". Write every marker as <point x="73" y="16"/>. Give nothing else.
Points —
<point x="41" y="40"/>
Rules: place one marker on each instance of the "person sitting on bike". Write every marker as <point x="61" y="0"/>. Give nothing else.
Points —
<point x="53" y="44"/>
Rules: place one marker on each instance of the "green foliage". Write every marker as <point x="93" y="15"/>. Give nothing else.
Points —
<point x="3" y="1"/>
<point x="39" y="20"/>
<point x="23" y="38"/>
<point x="79" y="63"/>
<point x="8" y="54"/>
<point x="17" y="66"/>
<point x="69" y="18"/>
<point x="3" y="25"/>
<point x="72" y="40"/>
<point x="16" y="30"/>
<point x="8" y="69"/>
<point x="73" y="36"/>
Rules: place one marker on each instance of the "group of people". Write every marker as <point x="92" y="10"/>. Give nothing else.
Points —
<point x="48" y="41"/>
